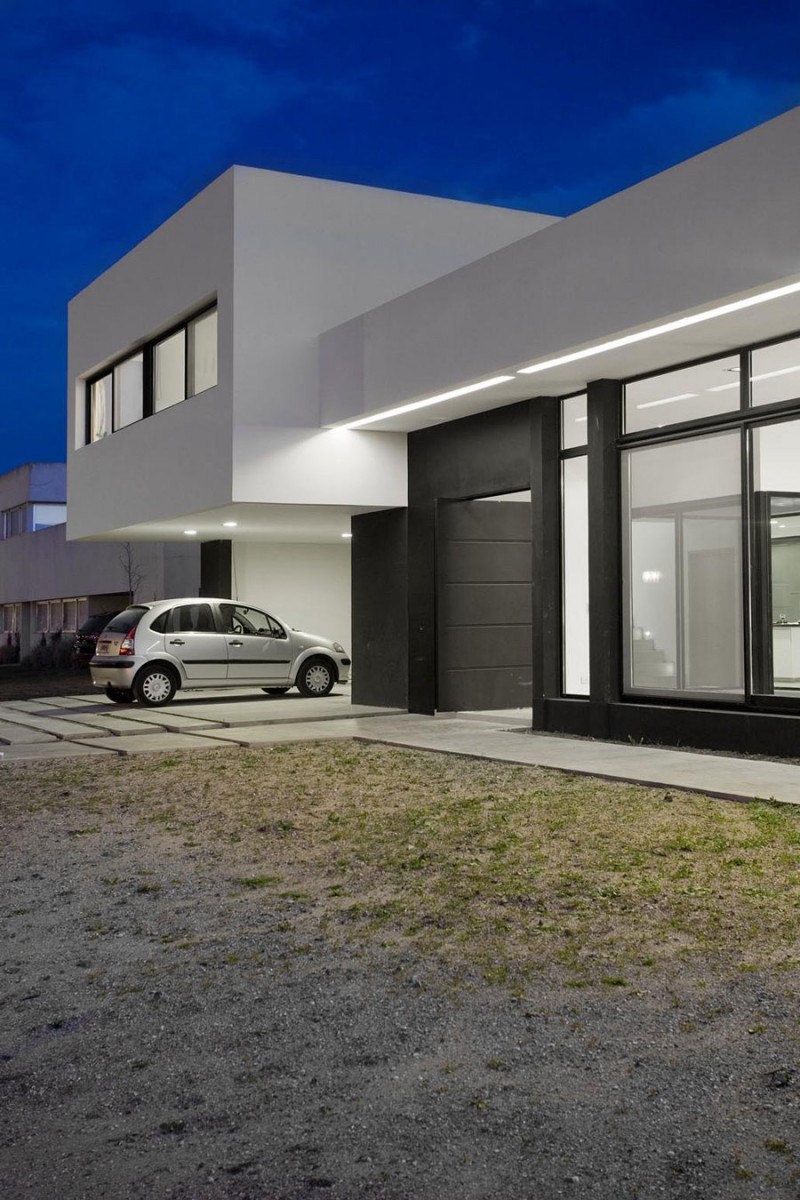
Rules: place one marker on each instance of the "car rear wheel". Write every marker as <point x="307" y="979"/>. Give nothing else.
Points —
<point x="119" y="695"/>
<point x="276" y="691"/>
<point x="316" y="677"/>
<point x="155" y="686"/>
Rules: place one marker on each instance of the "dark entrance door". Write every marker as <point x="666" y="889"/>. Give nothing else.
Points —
<point x="483" y="602"/>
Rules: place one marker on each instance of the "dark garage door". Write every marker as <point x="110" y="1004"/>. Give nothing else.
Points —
<point x="483" y="604"/>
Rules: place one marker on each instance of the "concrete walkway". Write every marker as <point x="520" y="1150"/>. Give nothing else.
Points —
<point x="67" y="726"/>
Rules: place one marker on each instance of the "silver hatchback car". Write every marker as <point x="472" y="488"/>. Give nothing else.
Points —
<point x="149" y="651"/>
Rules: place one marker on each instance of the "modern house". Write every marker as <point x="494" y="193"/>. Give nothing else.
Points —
<point x="49" y="586"/>
<point x="567" y="451"/>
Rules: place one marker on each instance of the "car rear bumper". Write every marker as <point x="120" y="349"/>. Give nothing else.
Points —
<point x="117" y="671"/>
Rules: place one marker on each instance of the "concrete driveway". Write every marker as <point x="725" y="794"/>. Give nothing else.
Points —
<point x="90" y="724"/>
<point x="66" y="726"/>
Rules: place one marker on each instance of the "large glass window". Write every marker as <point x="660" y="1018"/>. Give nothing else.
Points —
<point x="202" y="359"/>
<point x="775" y="373"/>
<point x="776" y="557"/>
<point x="704" y="390"/>
<point x="575" y="575"/>
<point x="683" y="568"/>
<point x="169" y="371"/>
<point x="129" y="391"/>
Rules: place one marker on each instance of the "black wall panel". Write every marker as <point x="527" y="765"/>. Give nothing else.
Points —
<point x="215" y="568"/>
<point x="483" y="604"/>
<point x="380" y="608"/>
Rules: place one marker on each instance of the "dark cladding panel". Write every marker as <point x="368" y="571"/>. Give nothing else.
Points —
<point x="380" y="608"/>
<point x="215" y="569"/>
<point x="483" y="604"/>
<point x="488" y="603"/>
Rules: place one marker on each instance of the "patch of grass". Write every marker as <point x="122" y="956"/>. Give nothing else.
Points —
<point x="254" y="882"/>
<point x="496" y="869"/>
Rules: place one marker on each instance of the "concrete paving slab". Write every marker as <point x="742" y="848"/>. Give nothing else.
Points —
<point x="77" y="702"/>
<point x="155" y="743"/>
<point x="27" y="706"/>
<point x="32" y="753"/>
<point x="111" y="723"/>
<point x="253" y="736"/>
<point x="60" y="727"/>
<point x="715" y="775"/>
<point x="164" y="718"/>
<point x="267" y="711"/>
<point x="13" y="735"/>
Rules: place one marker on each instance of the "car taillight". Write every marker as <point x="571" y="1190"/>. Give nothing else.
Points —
<point x="126" y="645"/>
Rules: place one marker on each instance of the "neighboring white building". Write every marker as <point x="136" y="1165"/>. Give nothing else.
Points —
<point x="288" y="361"/>
<point x="50" y="586"/>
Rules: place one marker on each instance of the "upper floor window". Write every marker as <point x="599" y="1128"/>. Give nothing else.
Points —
<point x="164" y="372"/>
<point x="45" y="515"/>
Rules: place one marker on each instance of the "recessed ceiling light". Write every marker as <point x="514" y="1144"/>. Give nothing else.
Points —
<point x="404" y="408"/>
<point x="347" y="535"/>
<point x="230" y="524"/>
<point x="190" y="532"/>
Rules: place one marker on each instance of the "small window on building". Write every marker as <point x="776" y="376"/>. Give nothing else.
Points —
<point x="70" y="623"/>
<point x="202" y="358"/>
<point x="129" y="391"/>
<point x="15" y="521"/>
<point x="100" y="393"/>
<point x="704" y="390"/>
<point x="169" y="371"/>
<point x="775" y="373"/>
<point x="41" y="617"/>
<point x="56" y="617"/>
<point x="45" y="515"/>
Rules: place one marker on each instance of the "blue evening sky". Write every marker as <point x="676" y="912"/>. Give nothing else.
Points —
<point x="113" y="114"/>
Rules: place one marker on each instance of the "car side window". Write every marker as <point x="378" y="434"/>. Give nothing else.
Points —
<point x="276" y="629"/>
<point x="159" y="625"/>
<point x="241" y="619"/>
<point x="192" y="618"/>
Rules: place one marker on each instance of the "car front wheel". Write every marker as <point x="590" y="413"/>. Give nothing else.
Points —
<point x="119" y="695"/>
<point x="155" y="686"/>
<point x="315" y="678"/>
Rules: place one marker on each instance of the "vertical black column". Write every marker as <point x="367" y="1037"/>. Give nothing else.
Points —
<point x="545" y="555"/>
<point x="422" y="607"/>
<point x="215" y="568"/>
<point x="605" y="552"/>
<point x="379" y="565"/>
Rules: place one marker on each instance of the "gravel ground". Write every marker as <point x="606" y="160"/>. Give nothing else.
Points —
<point x="167" y="1034"/>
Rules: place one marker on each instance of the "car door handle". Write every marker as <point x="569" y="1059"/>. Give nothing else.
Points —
<point x="177" y="642"/>
<point x="235" y="643"/>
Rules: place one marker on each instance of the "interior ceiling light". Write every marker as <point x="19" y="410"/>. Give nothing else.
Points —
<point x="630" y="339"/>
<point x="347" y="535"/>
<point x="668" y="400"/>
<point x="772" y="374"/>
<point x="229" y="524"/>
<point x="404" y="408"/>
<point x="190" y="532"/>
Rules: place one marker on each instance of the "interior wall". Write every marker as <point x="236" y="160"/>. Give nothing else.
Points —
<point x="306" y="585"/>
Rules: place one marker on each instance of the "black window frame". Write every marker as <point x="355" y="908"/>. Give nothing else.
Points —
<point x="745" y="418"/>
<point x="147" y="350"/>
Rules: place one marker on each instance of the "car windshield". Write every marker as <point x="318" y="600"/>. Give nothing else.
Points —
<point x="126" y="620"/>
